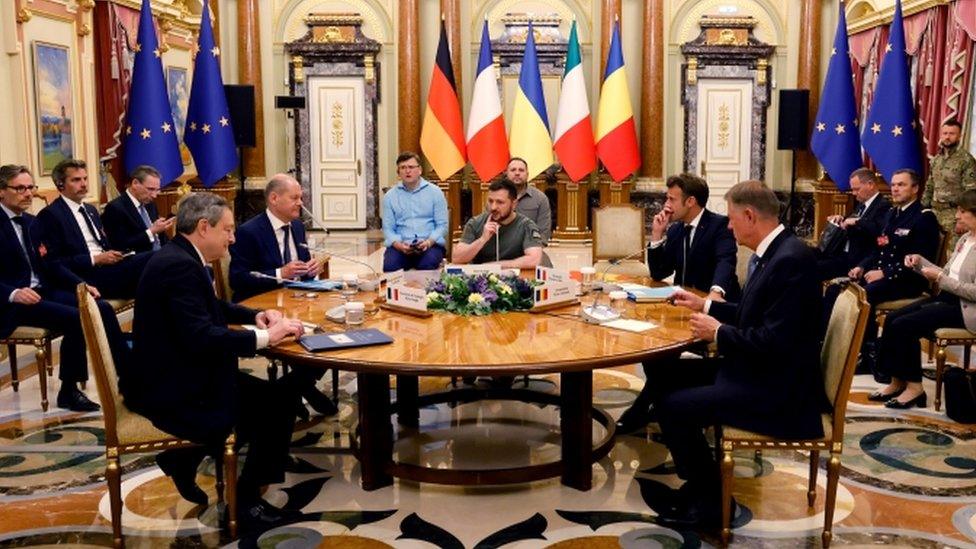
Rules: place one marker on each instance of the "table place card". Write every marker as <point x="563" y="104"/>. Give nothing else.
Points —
<point x="554" y="292"/>
<point x="630" y="325"/>
<point x="546" y="274"/>
<point x="481" y="268"/>
<point x="407" y="297"/>
<point x="395" y="278"/>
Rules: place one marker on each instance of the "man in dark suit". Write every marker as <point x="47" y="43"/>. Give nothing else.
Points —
<point x="768" y="378"/>
<point x="72" y="233"/>
<point x="31" y="294"/>
<point x="185" y="377"/>
<point x="861" y="230"/>
<point x="698" y="249"/>
<point x="273" y="243"/>
<point x="131" y="220"/>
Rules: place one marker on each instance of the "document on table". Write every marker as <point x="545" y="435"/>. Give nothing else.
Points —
<point x="630" y="325"/>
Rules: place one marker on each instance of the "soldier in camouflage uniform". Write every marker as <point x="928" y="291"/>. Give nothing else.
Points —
<point x="953" y="170"/>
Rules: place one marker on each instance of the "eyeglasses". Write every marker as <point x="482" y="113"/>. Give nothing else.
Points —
<point x="415" y="167"/>
<point x="21" y="189"/>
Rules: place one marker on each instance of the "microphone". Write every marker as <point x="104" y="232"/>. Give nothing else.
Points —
<point x="368" y="285"/>
<point x="314" y="221"/>
<point x="257" y="274"/>
<point x="597" y="313"/>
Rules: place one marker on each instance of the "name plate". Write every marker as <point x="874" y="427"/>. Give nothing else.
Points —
<point x="554" y="293"/>
<point x="545" y="274"/>
<point x="406" y="297"/>
<point x="395" y="278"/>
<point x="480" y="269"/>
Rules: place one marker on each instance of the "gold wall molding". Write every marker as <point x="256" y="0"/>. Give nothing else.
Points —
<point x="877" y="18"/>
<point x="84" y="30"/>
<point x="86" y="5"/>
<point x="290" y="20"/>
<point x="769" y="21"/>
<point x="24" y="15"/>
<point x="565" y="12"/>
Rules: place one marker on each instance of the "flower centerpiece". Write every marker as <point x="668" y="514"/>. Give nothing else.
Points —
<point x="479" y="294"/>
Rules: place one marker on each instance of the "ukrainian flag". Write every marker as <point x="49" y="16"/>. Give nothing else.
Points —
<point x="529" y="135"/>
<point x="616" y="135"/>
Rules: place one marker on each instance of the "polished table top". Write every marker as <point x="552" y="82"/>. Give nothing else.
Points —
<point x="512" y="343"/>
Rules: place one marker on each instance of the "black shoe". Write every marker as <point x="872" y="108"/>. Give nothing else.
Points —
<point x="322" y="404"/>
<point x="878" y="396"/>
<point x="921" y="401"/>
<point x="181" y="466"/>
<point x="695" y="515"/>
<point x="261" y="515"/>
<point x="634" y="419"/>
<point x="69" y="397"/>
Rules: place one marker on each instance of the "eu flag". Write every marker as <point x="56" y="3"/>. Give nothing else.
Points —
<point x="835" y="141"/>
<point x="150" y="137"/>
<point x="889" y="132"/>
<point x="208" y="132"/>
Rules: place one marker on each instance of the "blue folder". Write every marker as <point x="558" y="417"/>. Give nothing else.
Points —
<point x="344" y="340"/>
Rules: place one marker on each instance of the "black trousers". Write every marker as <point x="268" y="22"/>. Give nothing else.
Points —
<point x="877" y="292"/>
<point x="263" y="419"/>
<point x="900" y="352"/>
<point x="119" y="281"/>
<point x="58" y="311"/>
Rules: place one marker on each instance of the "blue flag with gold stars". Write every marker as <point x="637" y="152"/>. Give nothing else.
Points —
<point x="208" y="132"/>
<point x="835" y="141"/>
<point x="889" y="131"/>
<point x="150" y="137"/>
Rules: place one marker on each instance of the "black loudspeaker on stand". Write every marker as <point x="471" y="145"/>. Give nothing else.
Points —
<point x="240" y="103"/>
<point x="793" y="136"/>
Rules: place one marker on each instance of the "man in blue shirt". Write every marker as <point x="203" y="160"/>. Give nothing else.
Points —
<point x="414" y="220"/>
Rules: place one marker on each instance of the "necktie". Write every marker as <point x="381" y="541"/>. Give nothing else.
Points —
<point x="686" y="251"/>
<point x="753" y="265"/>
<point x="91" y="227"/>
<point x="860" y="210"/>
<point x="24" y="240"/>
<point x="285" y="248"/>
<point x="148" y="223"/>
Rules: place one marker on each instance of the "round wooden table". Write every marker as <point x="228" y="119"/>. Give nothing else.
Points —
<point x="501" y="344"/>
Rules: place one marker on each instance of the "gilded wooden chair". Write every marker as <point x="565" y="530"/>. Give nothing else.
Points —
<point x="618" y="232"/>
<point x="838" y="359"/>
<point x="127" y="432"/>
<point x="942" y="338"/>
<point x="40" y="339"/>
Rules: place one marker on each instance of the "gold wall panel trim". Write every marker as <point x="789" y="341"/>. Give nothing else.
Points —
<point x="883" y="17"/>
<point x="769" y="21"/>
<point x="290" y="19"/>
<point x="565" y="11"/>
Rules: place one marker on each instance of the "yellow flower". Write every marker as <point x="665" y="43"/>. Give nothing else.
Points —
<point x="504" y="288"/>
<point x="475" y="299"/>
<point x="492" y="277"/>
<point x="432" y="296"/>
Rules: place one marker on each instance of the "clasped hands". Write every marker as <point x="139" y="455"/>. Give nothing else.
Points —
<point x="278" y="326"/>
<point x="873" y="275"/>
<point x="703" y="326"/>
<point x="297" y="269"/>
<point x="29" y="296"/>
<point x="418" y="247"/>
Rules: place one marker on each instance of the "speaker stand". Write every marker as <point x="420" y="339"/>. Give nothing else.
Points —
<point x="791" y="206"/>
<point x="239" y="200"/>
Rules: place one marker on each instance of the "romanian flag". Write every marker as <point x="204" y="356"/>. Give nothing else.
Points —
<point x="616" y="136"/>
<point x="529" y="135"/>
<point x="574" y="132"/>
<point x="487" y="144"/>
<point x="442" y="136"/>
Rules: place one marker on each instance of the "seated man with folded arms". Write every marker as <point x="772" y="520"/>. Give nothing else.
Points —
<point x="500" y="234"/>
<point x="184" y="375"/>
<point x="862" y="228"/>
<point x="954" y="306"/>
<point x="71" y="231"/>
<point x="33" y="293"/>
<point x="414" y="220"/>
<point x="273" y="243"/>
<point x="698" y="249"/>
<point x="131" y="220"/>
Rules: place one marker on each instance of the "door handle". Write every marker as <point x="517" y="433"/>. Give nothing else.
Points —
<point x="703" y="172"/>
<point x="359" y="167"/>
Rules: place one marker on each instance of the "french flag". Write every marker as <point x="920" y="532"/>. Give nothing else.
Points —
<point x="574" y="133"/>
<point x="487" y="144"/>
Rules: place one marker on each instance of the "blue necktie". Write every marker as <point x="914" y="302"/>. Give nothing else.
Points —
<point x="145" y="219"/>
<point x="91" y="227"/>
<point x="753" y="265"/>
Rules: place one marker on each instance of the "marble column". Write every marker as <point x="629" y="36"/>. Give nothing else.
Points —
<point x="249" y="70"/>
<point x="652" y="92"/>
<point x="808" y="75"/>
<point x="609" y="13"/>
<point x="451" y="11"/>
<point x="408" y="76"/>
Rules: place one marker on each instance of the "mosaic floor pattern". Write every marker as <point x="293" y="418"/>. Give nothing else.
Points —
<point x="908" y="480"/>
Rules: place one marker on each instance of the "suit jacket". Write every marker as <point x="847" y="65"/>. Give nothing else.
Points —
<point x="15" y="270"/>
<point x="913" y="231"/>
<point x="862" y="236"/>
<point x="772" y="353"/>
<point x="711" y="260"/>
<point x="63" y="239"/>
<point x="125" y="227"/>
<point x="184" y="355"/>
<point x="965" y="286"/>
<point x="256" y="249"/>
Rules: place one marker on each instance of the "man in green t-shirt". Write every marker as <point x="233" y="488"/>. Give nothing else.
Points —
<point x="501" y="234"/>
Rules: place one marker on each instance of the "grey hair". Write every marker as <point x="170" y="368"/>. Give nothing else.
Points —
<point x="756" y="195"/>
<point x="277" y="184"/>
<point x="196" y="206"/>
<point x="10" y="171"/>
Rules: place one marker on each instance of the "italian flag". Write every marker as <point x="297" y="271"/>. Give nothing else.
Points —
<point x="574" y="133"/>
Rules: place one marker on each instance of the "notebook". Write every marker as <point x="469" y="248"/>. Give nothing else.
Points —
<point x="344" y="340"/>
<point x="643" y="294"/>
<point x="314" y="285"/>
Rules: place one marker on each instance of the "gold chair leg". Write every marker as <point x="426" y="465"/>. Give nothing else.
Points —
<point x="113" y="475"/>
<point x="812" y="486"/>
<point x="940" y="361"/>
<point x="42" y="356"/>
<point x="728" y="467"/>
<point x="833" y="475"/>
<point x="50" y="358"/>
<point x="930" y="355"/>
<point x="230" y="474"/>
<point x="12" y="353"/>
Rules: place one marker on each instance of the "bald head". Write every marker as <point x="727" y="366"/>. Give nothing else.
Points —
<point x="283" y="195"/>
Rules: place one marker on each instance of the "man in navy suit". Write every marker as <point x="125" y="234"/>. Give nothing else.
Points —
<point x="72" y="233"/>
<point x="273" y="243"/>
<point x="187" y="381"/>
<point x="31" y="294"/>
<point x="698" y="249"/>
<point x="861" y="229"/>
<point x="768" y="378"/>
<point x="131" y="220"/>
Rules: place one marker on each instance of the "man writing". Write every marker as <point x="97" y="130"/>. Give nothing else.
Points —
<point x="414" y="220"/>
<point x="500" y="234"/>
<point x="131" y="220"/>
<point x="187" y="381"/>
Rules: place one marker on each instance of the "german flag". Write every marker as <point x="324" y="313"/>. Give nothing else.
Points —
<point x="442" y="135"/>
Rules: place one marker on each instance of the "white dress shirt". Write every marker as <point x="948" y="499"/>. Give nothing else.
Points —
<point x="138" y="205"/>
<point x="91" y="240"/>
<point x="276" y="225"/>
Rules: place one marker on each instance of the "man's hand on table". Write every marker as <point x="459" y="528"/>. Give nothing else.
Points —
<point x="282" y="329"/>
<point x="267" y="318"/>
<point x="704" y="327"/>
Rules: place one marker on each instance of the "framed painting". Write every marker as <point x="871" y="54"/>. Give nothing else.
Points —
<point x="178" y="91"/>
<point x="54" y="108"/>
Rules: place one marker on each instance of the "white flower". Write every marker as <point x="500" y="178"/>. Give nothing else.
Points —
<point x="432" y="296"/>
<point x="475" y="299"/>
<point x="504" y="288"/>
<point x="492" y="277"/>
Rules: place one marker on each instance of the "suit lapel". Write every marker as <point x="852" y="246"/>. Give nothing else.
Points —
<point x="269" y="238"/>
<point x="69" y="221"/>
<point x="131" y="210"/>
<point x="298" y="235"/>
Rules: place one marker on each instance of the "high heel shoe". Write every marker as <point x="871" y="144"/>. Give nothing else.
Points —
<point x="921" y="400"/>
<point x="878" y="396"/>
